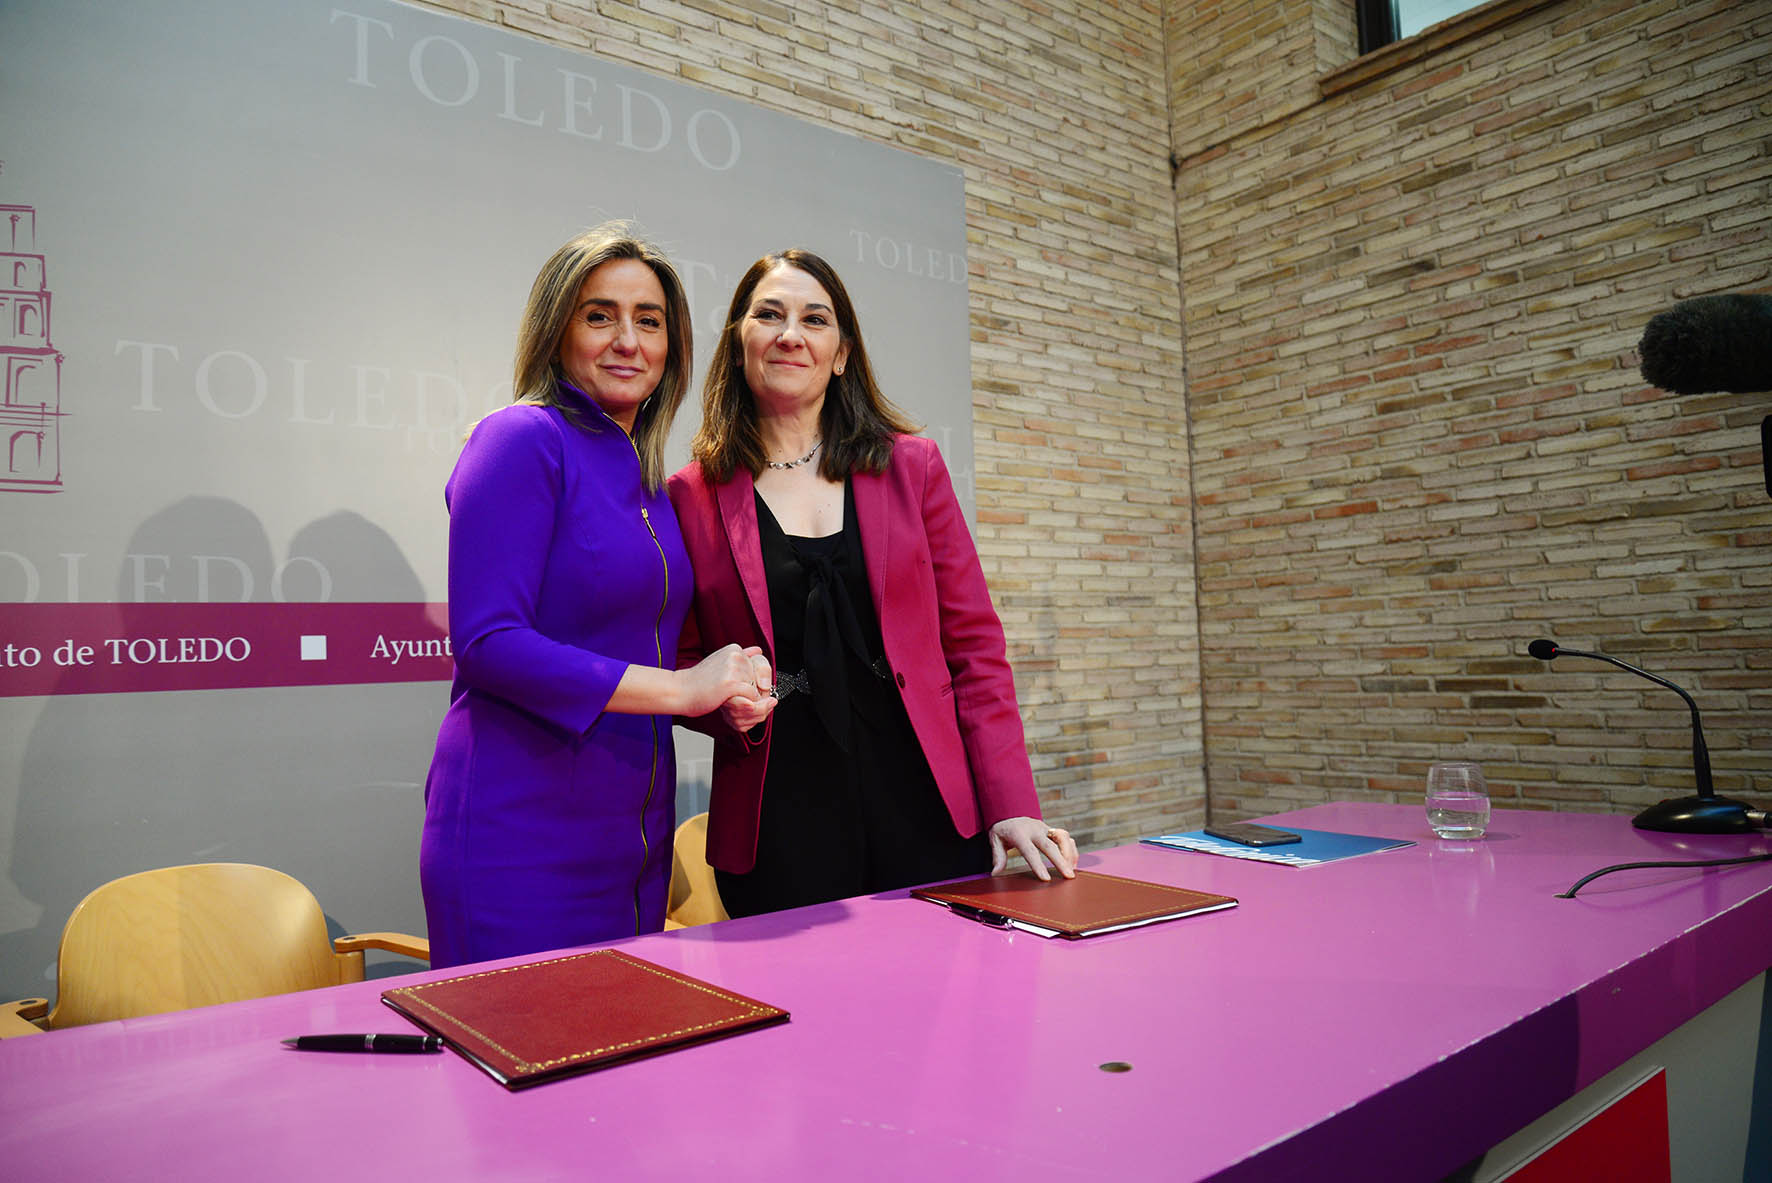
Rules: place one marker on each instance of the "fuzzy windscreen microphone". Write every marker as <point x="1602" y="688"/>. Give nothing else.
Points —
<point x="1710" y="344"/>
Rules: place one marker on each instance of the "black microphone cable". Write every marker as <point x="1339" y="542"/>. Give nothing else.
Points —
<point x="1709" y="862"/>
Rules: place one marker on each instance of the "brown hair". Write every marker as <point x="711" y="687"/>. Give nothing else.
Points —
<point x="536" y="373"/>
<point x="857" y="421"/>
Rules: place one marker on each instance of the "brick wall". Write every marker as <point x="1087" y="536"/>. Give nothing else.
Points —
<point x="1238" y="67"/>
<point x="1420" y="437"/>
<point x="1056" y="114"/>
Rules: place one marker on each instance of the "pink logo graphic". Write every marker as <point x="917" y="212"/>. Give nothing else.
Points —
<point x="31" y="397"/>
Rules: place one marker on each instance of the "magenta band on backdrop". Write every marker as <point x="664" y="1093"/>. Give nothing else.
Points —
<point x="48" y="649"/>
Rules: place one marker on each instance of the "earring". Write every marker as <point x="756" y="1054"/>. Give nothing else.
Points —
<point x="838" y="371"/>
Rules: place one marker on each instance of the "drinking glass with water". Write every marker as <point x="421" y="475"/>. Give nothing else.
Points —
<point x="1457" y="800"/>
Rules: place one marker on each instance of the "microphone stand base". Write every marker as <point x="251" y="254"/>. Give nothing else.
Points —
<point x="1697" y="815"/>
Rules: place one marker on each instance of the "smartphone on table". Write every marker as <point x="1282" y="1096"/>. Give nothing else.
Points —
<point x="1250" y="834"/>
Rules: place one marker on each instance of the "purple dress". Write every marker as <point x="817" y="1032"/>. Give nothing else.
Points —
<point x="547" y="819"/>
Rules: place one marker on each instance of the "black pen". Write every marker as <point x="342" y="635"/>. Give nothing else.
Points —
<point x="978" y="914"/>
<point x="366" y="1043"/>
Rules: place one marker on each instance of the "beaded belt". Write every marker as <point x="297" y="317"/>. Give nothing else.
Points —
<point x="801" y="680"/>
<point x="786" y="684"/>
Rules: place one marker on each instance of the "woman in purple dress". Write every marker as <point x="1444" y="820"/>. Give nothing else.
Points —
<point x="551" y="796"/>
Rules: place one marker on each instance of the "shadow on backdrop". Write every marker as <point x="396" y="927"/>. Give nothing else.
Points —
<point x="321" y="782"/>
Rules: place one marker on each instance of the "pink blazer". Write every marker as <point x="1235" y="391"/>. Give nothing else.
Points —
<point x="943" y="639"/>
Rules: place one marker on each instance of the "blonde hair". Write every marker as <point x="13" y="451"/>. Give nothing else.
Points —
<point x="857" y="421"/>
<point x="536" y="374"/>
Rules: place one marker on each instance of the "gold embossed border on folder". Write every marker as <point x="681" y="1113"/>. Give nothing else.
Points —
<point x="527" y="1023"/>
<point x="1090" y="903"/>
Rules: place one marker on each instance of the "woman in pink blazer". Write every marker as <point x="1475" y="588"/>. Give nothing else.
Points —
<point x="891" y="752"/>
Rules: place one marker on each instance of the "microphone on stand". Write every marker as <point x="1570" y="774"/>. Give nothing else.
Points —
<point x="1705" y="813"/>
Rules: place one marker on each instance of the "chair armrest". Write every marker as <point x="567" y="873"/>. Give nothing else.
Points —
<point x="390" y="942"/>
<point x="16" y="1016"/>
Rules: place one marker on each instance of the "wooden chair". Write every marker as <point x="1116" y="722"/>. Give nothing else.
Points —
<point x="695" y="898"/>
<point x="181" y="937"/>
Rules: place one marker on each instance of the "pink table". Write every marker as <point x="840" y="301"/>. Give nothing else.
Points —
<point x="1308" y="1033"/>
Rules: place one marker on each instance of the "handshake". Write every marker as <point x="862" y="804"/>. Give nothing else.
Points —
<point x="735" y="680"/>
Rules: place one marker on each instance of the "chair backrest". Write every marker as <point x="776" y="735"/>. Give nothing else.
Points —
<point x="180" y="937"/>
<point x="695" y="897"/>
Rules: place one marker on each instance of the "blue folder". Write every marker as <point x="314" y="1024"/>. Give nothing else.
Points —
<point x="1312" y="848"/>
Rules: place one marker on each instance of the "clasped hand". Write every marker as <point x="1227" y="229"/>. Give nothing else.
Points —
<point x="736" y="679"/>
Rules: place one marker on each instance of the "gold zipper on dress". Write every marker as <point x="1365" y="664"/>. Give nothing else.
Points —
<point x="658" y="649"/>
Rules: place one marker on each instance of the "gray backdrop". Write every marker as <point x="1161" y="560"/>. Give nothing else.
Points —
<point x="283" y="247"/>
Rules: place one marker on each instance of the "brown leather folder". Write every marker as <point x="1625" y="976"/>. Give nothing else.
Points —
<point x="525" y="1024"/>
<point x="1089" y="905"/>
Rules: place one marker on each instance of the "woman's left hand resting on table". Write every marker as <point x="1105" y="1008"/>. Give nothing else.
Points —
<point x="1037" y="842"/>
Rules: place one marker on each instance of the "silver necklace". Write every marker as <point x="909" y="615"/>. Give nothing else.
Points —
<point x="783" y="464"/>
